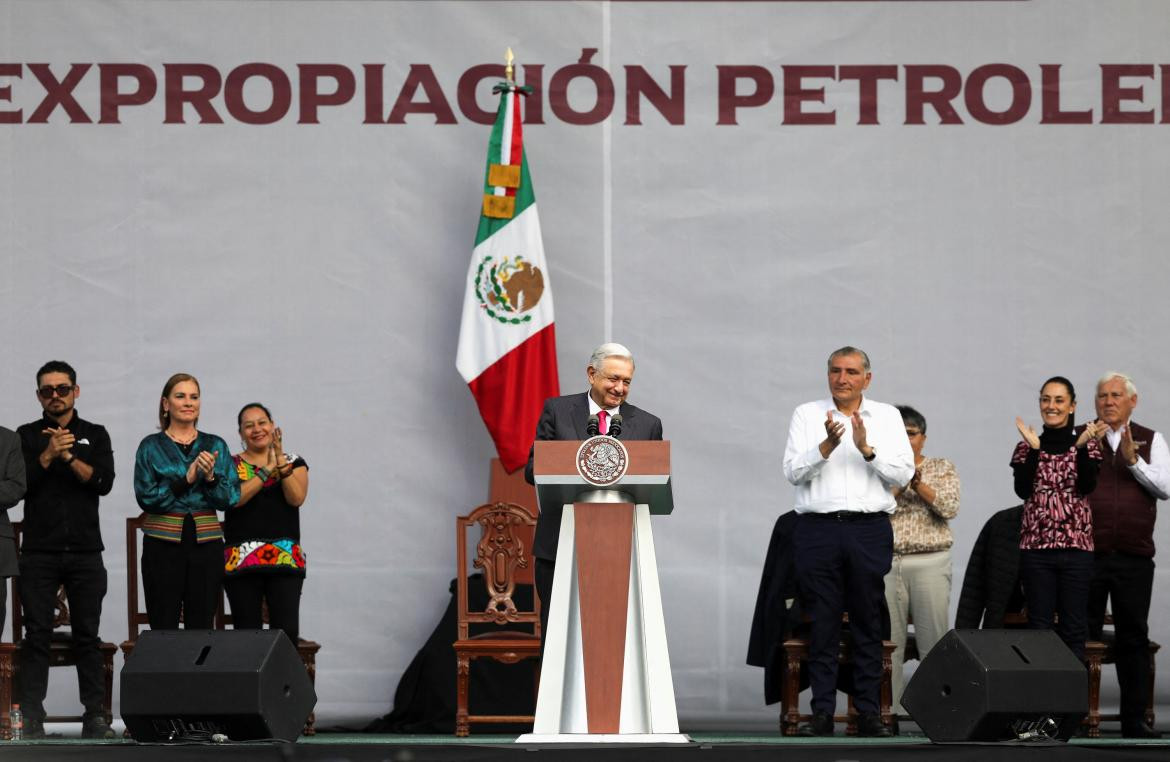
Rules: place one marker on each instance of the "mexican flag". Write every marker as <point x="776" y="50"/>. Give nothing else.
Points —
<point x="507" y="340"/>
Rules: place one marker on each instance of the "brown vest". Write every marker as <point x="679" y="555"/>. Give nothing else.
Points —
<point x="1123" y="512"/>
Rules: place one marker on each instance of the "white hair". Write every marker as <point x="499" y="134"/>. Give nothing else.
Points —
<point x="1130" y="389"/>
<point x="609" y="349"/>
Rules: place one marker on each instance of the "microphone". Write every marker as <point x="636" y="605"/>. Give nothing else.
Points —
<point x="615" y="426"/>
<point x="592" y="426"/>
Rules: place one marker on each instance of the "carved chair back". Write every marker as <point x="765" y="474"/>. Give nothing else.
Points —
<point x="502" y="554"/>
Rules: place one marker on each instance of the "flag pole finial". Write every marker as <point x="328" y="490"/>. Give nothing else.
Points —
<point x="508" y="67"/>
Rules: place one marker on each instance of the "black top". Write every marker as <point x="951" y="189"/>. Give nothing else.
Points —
<point x="267" y="516"/>
<point x="60" y="511"/>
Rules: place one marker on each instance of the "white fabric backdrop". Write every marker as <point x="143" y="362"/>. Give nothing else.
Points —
<point x="320" y="268"/>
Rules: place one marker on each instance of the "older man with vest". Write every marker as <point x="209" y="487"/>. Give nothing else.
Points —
<point x="1133" y="477"/>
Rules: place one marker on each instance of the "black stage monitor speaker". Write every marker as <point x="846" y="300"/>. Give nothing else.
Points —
<point x="244" y="684"/>
<point x="994" y="685"/>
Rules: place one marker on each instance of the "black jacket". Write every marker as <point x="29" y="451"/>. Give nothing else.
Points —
<point x="991" y="585"/>
<point x="565" y="419"/>
<point x="61" y="512"/>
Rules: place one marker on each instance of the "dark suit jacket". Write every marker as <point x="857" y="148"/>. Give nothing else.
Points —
<point x="565" y="418"/>
<point x="12" y="486"/>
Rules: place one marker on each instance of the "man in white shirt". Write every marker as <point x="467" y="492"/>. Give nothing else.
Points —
<point x="1133" y="477"/>
<point x="843" y="455"/>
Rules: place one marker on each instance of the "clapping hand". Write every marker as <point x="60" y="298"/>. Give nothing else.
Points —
<point x="1028" y="433"/>
<point x="281" y="460"/>
<point x="205" y="462"/>
<point x="1128" y="447"/>
<point x="859" y="432"/>
<point x="61" y="441"/>
<point x="834" y="430"/>
<point x="1093" y="430"/>
<point x="278" y="446"/>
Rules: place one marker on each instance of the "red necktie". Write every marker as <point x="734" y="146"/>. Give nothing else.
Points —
<point x="601" y="427"/>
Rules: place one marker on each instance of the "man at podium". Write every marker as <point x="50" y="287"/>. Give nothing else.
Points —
<point x="610" y="373"/>
<point x="843" y="456"/>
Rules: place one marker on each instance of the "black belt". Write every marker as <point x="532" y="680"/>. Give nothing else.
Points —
<point x="848" y="515"/>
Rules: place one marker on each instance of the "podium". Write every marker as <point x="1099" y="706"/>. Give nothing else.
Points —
<point x="605" y="676"/>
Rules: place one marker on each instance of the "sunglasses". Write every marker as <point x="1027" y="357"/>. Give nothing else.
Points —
<point x="61" y="390"/>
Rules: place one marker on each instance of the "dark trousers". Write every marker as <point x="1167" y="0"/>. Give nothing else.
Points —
<point x="84" y="578"/>
<point x="840" y="567"/>
<point x="543" y="580"/>
<point x="1127" y="581"/>
<point x="182" y="580"/>
<point x="247" y="593"/>
<point x="1056" y="581"/>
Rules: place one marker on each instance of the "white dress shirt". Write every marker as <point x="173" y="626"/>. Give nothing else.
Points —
<point x="1155" y="475"/>
<point x="610" y="412"/>
<point x="846" y="481"/>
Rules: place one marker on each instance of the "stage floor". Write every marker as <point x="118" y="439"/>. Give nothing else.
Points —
<point x="706" y="747"/>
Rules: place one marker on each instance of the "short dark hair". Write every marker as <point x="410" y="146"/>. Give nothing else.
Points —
<point x="57" y="366"/>
<point x="240" y="415"/>
<point x="911" y="417"/>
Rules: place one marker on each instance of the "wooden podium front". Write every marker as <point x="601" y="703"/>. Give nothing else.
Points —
<point x="606" y="670"/>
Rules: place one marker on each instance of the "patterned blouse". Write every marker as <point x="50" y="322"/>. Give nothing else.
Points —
<point x="264" y="534"/>
<point x="1056" y="515"/>
<point x="920" y="527"/>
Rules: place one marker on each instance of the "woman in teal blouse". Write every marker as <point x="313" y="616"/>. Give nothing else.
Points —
<point x="182" y="476"/>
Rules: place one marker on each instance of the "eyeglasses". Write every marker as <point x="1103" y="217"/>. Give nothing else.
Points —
<point x="61" y="390"/>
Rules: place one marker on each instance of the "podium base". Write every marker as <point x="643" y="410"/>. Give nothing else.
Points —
<point x="612" y="738"/>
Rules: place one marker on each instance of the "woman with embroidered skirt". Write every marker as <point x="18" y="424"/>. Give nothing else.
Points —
<point x="263" y="559"/>
<point x="1054" y="473"/>
<point x="182" y="476"/>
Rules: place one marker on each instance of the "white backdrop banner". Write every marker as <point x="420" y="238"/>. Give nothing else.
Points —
<point x="280" y="197"/>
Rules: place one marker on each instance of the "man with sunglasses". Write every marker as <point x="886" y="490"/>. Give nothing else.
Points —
<point x="69" y="465"/>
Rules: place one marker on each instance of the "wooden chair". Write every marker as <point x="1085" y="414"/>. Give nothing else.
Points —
<point x="1104" y="651"/>
<point x="796" y="653"/>
<point x="61" y="654"/>
<point x="136" y="618"/>
<point x="1098" y="652"/>
<point x="502" y="553"/>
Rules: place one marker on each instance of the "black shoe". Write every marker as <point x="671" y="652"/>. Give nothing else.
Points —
<point x="871" y="726"/>
<point x="1139" y="730"/>
<point x="34" y="729"/>
<point x="96" y="727"/>
<point x="821" y="725"/>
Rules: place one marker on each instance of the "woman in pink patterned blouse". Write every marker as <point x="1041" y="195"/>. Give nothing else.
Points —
<point x="1054" y="472"/>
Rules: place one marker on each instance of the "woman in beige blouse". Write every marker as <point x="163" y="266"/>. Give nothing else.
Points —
<point x="918" y="587"/>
